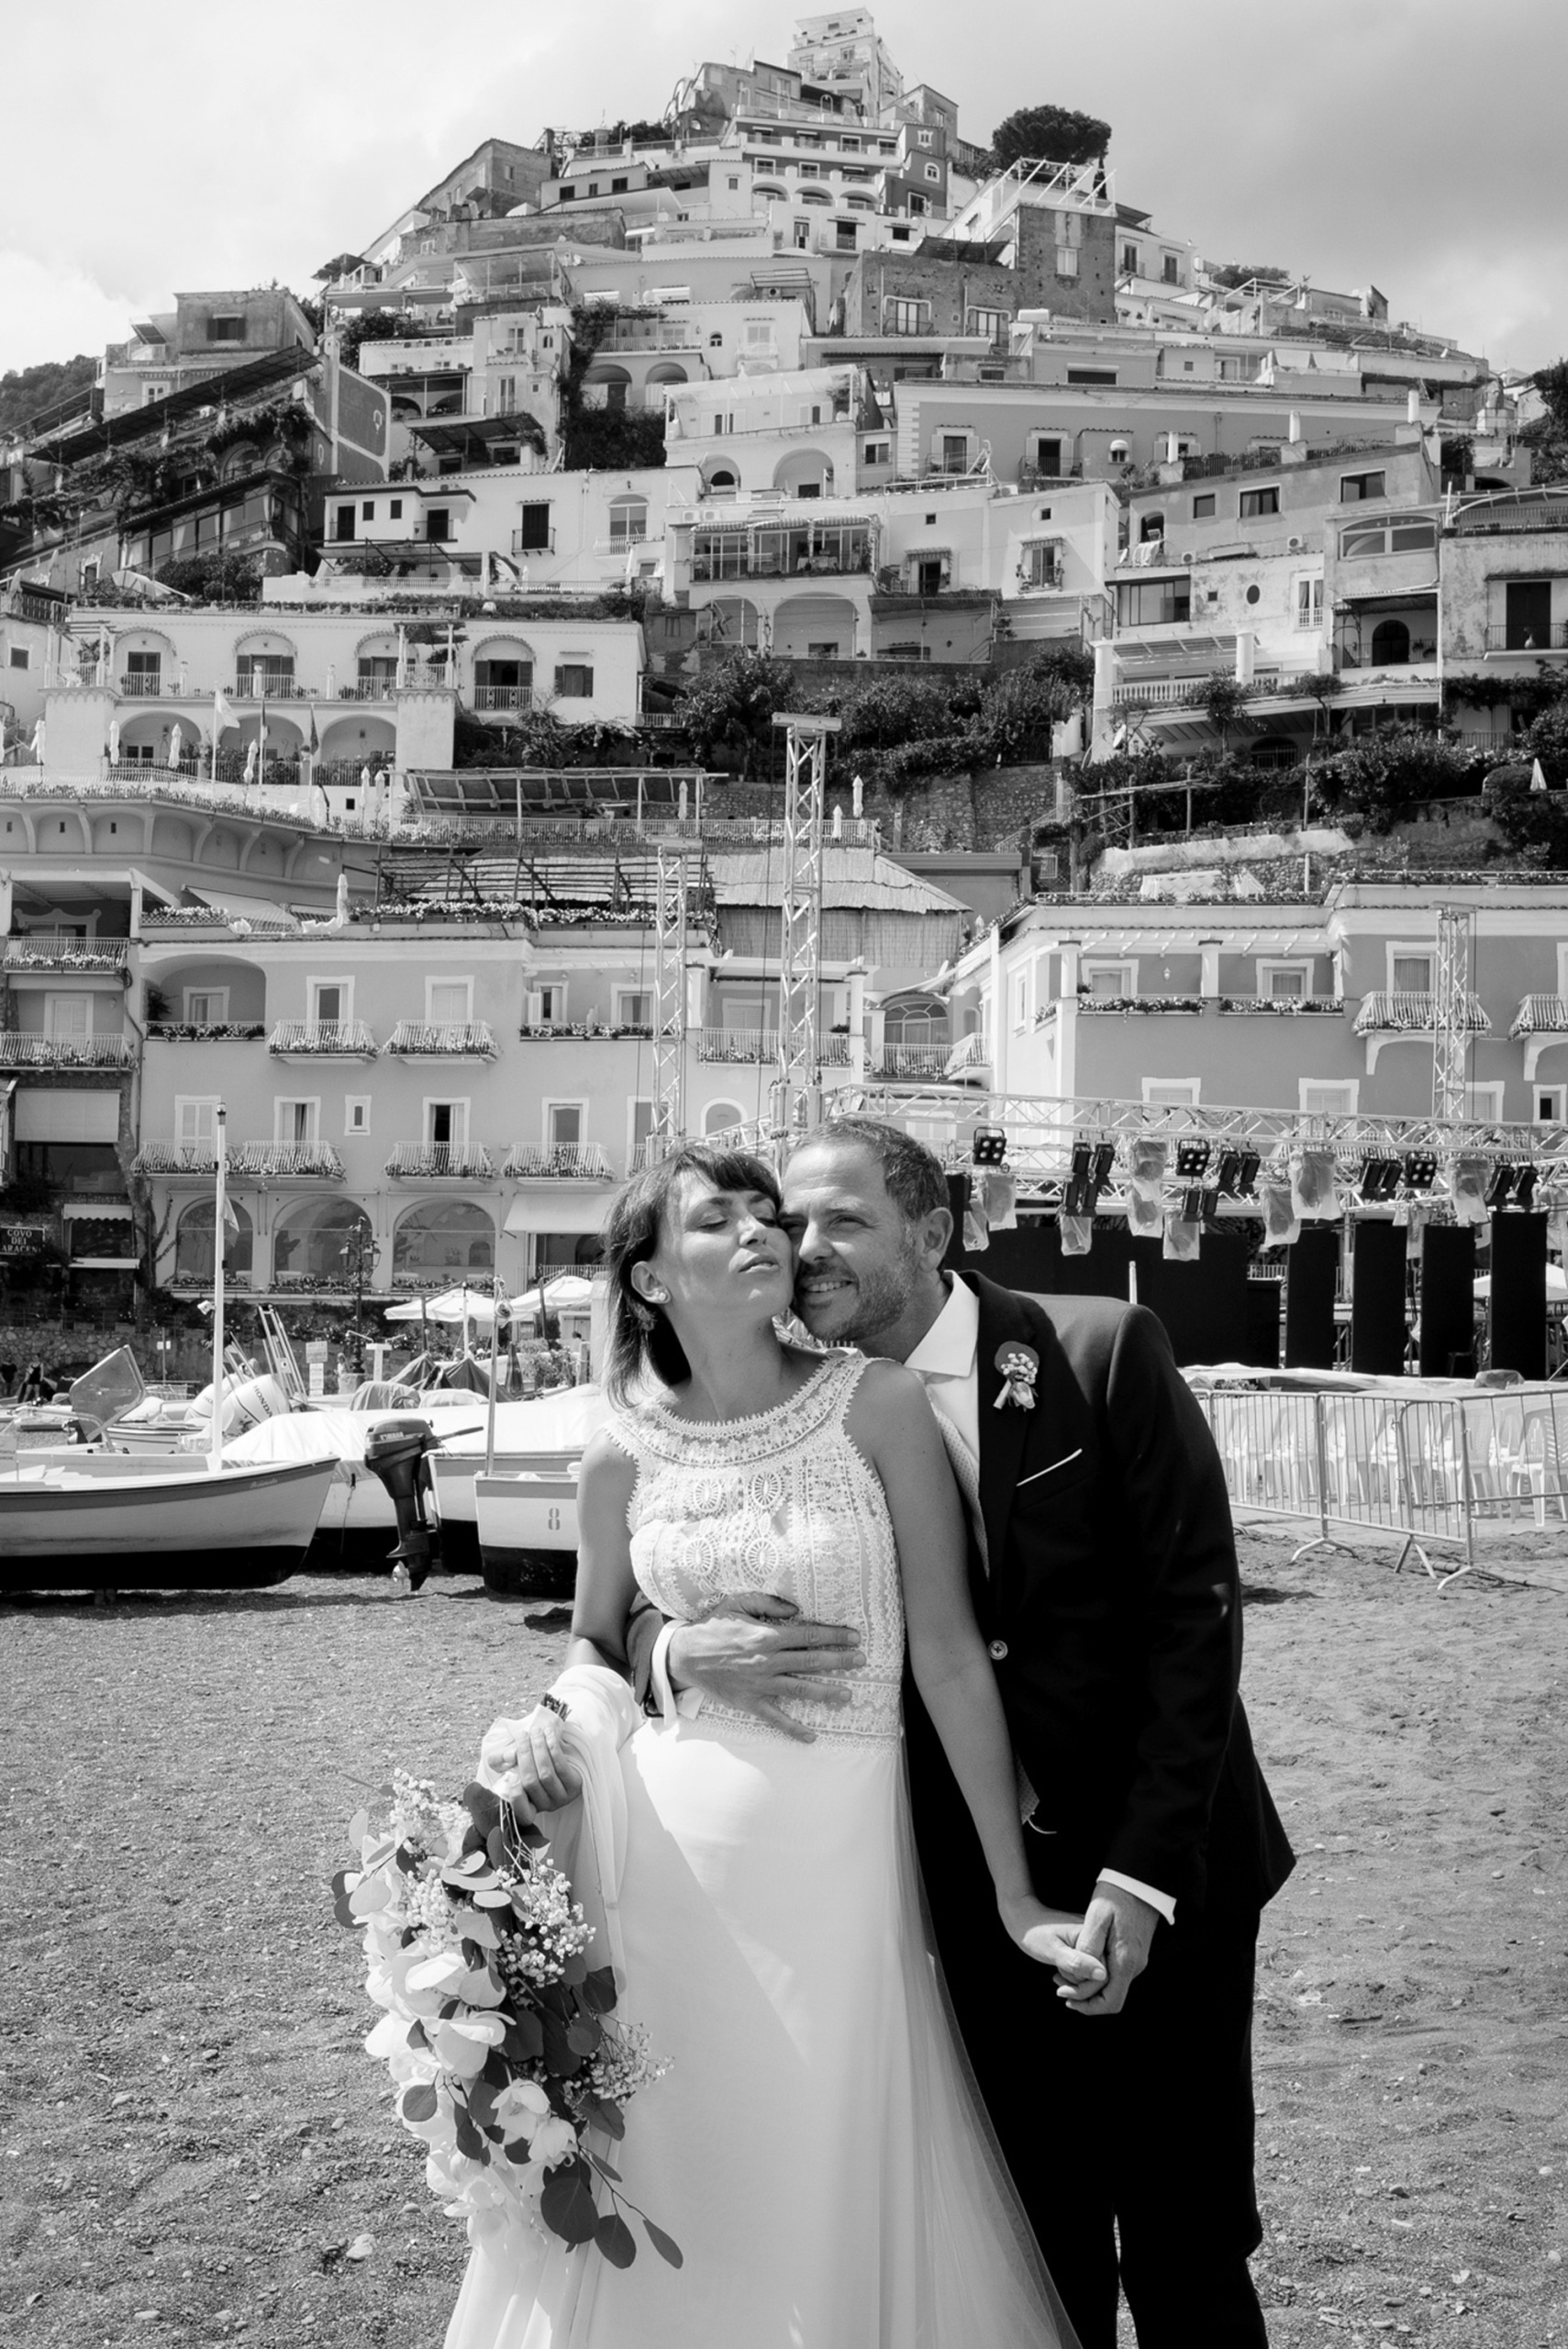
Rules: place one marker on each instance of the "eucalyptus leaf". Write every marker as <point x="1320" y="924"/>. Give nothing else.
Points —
<point x="420" y="2103"/>
<point x="567" y="2205"/>
<point x="525" y="2036"/>
<point x="605" y="2170"/>
<point x="584" y="2035"/>
<point x="615" y="2240"/>
<point x="665" y="2245"/>
<point x="575" y="1969"/>
<point x="359" y="1827"/>
<point x="561" y="2058"/>
<point x="469" y="2140"/>
<point x="598" y="1990"/>
<point x="605" y="2114"/>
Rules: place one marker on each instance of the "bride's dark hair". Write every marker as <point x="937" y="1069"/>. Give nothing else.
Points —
<point x="640" y="1337"/>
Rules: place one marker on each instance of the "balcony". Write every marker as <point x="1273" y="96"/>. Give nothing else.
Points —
<point x="504" y="697"/>
<point x="18" y="1051"/>
<point x="756" y="561"/>
<point x="252" y="1161"/>
<point x="1541" y="1022"/>
<point x="1389" y="1017"/>
<point x="1185" y="1005"/>
<point x="281" y="1160"/>
<point x="527" y="542"/>
<point x="567" y="1162"/>
<point x="970" y="1059"/>
<point x="263" y="686"/>
<point x="146" y="684"/>
<point x="1517" y="636"/>
<point x="759" y="1047"/>
<point x="324" y="1040"/>
<point x="442" y="1039"/>
<point x="205" y="1031"/>
<point x="440" y="1161"/>
<point x="917" y="1063"/>
<point x="58" y="950"/>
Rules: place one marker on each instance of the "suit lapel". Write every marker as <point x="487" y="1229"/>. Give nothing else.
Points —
<point x="1003" y="1432"/>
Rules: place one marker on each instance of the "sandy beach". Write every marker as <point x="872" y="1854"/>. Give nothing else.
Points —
<point x="194" y="2147"/>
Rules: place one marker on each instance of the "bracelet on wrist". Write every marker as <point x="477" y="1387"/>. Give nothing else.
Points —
<point x="551" y="1703"/>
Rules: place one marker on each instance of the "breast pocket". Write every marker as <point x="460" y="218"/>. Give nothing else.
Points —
<point x="1043" y="1486"/>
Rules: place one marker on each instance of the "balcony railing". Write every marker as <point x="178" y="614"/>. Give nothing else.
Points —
<point x="904" y="1061"/>
<point x="503" y="697"/>
<point x="825" y="563"/>
<point x="329" y="1039"/>
<point x="1402" y="1014"/>
<point x="263" y="686"/>
<point x="66" y="1051"/>
<point x="284" y="1158"/>
<point x="756" y="1047"/>
<point x="440" y="1161"/>
<point x="248" y="1159"/>
<point x="146" y="684"/>
<point x="205" y="1031"/>
<point x="526" y="544"/>
<point x="1541" y="1015"/>
<point x="567" y="1162"/>
<point x="971" y="1056"/>
<point x="1517" y="636"/>
<point x="54" y="950"/>
<point x="442" y="1039"/>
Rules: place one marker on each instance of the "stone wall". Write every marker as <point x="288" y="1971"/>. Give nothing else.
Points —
<point x="993" y="807"/>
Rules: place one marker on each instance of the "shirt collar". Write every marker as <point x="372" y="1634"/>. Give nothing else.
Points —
<point x="949" y="1345"/>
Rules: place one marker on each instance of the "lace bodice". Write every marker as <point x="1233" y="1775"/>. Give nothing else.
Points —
<point x="782" y="1502"/>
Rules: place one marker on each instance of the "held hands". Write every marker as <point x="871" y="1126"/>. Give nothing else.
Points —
<point x="1052" y="1937"/>
<point x="524" y="1761"/>
<point x="752" y="1650"/>
<point x="1118" y="1929"/>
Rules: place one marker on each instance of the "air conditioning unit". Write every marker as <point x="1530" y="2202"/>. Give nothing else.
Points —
<point x="1189" y="556"/>
<point x="1294" y="546"/>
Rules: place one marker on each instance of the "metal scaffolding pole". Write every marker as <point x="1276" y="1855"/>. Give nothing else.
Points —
<point x="1450" y="1015"/>
<point x="798" y="1088"/>
<point x="669" y="1005"/>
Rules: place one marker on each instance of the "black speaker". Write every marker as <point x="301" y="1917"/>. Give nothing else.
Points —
<point x="958" y="1192"/>
<point x="1518" y="1293"/>
<point x="1379" y="1254"/>
<point x="1202" y="1304"/>
<point x="1263" y="1334"/>
<point x="1311" y="1280"/>
<point x="1448" y="1301"/>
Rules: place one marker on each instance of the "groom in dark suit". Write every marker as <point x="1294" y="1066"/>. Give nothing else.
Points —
<point x="1103" y="1567"/>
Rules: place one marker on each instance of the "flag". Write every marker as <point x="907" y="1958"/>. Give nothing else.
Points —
<point x="314" y="744"/>
<point x="1538" y="777"/>
<point x="223" y="711"/>
<point x="230" y="1221"/>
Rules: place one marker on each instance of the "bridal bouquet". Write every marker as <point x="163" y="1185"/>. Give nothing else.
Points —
<point x="502" y="2041"/>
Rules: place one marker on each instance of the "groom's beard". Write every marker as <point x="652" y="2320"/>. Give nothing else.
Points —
<point x="857" y="1314"/>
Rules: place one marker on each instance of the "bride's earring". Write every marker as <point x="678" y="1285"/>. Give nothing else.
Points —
<point x="658" y="1296"/>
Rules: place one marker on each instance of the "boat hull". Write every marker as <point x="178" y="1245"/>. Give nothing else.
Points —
<point x="187" y="1530"/>
<point x="527" y="1524"/>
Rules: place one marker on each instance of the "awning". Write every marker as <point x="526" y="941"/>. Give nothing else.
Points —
<point x="251" y="909"/>
<point x="98" y="1211"/>
<point x="103" y="1264"/>
<point x="557" y="1206"/>
<point x="69" y="1113"/>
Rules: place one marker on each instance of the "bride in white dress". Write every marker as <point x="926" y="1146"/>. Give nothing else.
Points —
<point x="816" y="2148"/>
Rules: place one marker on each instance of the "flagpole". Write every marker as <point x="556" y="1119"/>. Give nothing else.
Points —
<point x="220" y="1237"/>
<point x="262" y="737"/>
<point x="212" y="777"/>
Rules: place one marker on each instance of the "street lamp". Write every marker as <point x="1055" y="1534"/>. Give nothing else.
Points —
<point x="359" y="1255"/>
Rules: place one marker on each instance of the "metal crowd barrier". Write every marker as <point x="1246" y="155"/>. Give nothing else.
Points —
<point x="1429" y="1466"/>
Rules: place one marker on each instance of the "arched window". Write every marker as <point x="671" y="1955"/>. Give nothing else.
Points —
<point x="1119" y="452"/>
<point x="1390" y="645"/>
<point x="315" y="1239"/>
<point x="1153" y="527"/>
<point x="723" y="481"/>
<point x="917" y="1020"/>
<point x="608" y="383"/>
<point x="720" y="1116"/>
<point x="443" y="1236"/>
<point x="193" y="1243"/>
<point x="629" y="519"/>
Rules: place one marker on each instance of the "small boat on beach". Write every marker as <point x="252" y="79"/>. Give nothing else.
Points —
<point x="112" y="1521"/>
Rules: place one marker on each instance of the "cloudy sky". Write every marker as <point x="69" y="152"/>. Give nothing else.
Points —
<point x="1418" y="144"/>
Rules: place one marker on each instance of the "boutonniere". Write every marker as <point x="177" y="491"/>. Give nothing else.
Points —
<point x="1019" y="1366"/>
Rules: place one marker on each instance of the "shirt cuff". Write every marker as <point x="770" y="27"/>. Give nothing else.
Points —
<point x="1159" y="1901"/>
<point x="658" y="1679"/>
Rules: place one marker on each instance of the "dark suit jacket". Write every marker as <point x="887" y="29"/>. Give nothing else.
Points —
<point x="1112" y="1609"/>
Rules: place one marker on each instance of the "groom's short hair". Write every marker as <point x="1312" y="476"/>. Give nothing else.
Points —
<point x="913" y="1176"/>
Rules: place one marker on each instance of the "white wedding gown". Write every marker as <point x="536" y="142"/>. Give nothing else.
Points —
<point x="816" y="2148"/>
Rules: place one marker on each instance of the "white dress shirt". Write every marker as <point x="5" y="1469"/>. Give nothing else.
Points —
<point x="946" y="1360"/>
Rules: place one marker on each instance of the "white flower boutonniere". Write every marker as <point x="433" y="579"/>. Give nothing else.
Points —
<point x="1019" y="1366"/>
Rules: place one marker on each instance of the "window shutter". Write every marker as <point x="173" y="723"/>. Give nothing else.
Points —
<point x="534" y="1008"/>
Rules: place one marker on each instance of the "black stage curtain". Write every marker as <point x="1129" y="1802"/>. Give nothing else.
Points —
<point x="1202" y="1304"/>
<point x="1380" y="1253"/>
<point x="1448" y="1303"/>
<point x="1518" y="1293"/>
<point x="1311" y="1278"/>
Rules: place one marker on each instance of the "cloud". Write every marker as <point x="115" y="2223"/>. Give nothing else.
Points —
<point x="53" y="312"/>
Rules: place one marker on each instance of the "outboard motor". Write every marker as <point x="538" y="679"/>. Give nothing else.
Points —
<point x="395" y="1452"/>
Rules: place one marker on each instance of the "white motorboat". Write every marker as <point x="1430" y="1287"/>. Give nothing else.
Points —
<point x="527" y="1530"/>
<point x="111" y="1521"/>
<point x="545" y="1437"/>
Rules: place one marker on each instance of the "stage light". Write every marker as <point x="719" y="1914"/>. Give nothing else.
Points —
<point x="1105" y="1164"/>
<point x="1211" y="1207"/>
<point x="1524" y="1190"/>
<point x="1379" y="1178"/>
<point x="1500" y="1185"/>
<point x="1246" y="1174"/>
<point x="990" y="1146"/>
<point x="1420" y="1169"/>
<point x="1192" y="1157"/>
<point x="1191" y="1203"/>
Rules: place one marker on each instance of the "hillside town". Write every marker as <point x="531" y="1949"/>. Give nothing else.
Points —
<point x="793" y="603"/>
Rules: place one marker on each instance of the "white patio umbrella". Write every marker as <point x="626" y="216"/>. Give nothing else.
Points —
<point x="1556" y="1285"/>
<point x="452" y="1305"/>
<point x="568" y="1290"/>
<point x="176" y="740"/>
